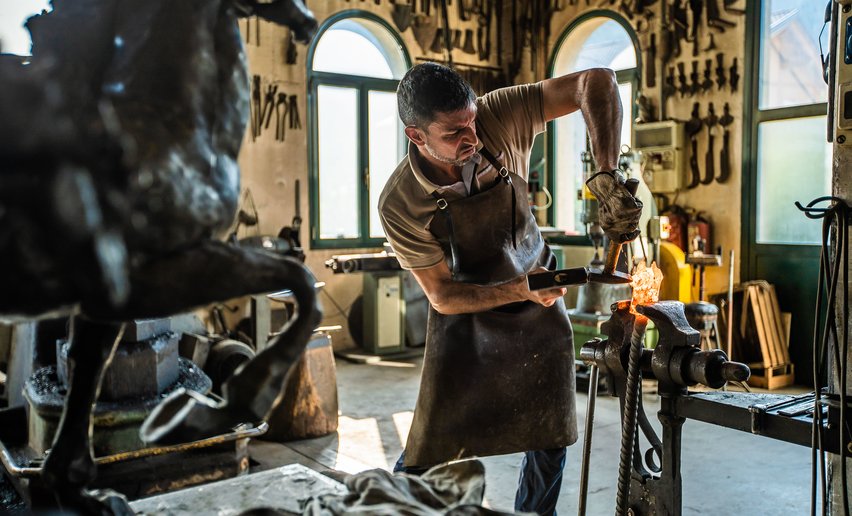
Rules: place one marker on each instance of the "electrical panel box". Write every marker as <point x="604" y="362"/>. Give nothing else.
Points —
<point x="661" y="146"/>
<point x="384" y="313"/>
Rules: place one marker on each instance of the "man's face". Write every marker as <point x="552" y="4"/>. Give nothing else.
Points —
<point x="451" y="137"/>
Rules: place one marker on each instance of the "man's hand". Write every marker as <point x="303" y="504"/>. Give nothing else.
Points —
<point x="544" y="297"/>
<point x="618" y="209"/>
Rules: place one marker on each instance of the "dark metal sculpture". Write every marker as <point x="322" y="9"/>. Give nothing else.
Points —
<point x="118" y="174"/>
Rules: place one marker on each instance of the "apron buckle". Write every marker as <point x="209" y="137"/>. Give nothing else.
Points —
<point x="442" y="204"/>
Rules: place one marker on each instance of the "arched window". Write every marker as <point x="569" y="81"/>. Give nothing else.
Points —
<point x="357" y="138"/>
<point x="596" y="40"/>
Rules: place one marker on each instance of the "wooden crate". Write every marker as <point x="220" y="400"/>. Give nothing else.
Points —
<point x="763" y="328"/>
<point x="772" y="377"/>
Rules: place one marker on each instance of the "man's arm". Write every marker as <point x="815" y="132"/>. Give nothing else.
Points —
<point x="595" y="93"/>
<point x="453" y="297"/>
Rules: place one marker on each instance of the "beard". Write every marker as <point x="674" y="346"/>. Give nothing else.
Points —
<point x="446" y="159"/>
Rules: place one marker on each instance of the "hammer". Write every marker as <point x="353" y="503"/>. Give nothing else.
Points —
<point x="580" y="275"/>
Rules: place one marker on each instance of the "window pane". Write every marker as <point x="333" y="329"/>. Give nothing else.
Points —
<point x="338" y="161"/>
<point x="597" y="42"/>
<point x="14" y="38"/>
<point x="790" y="71"/>
<point x="385" y="133"/>
<point x="625" y="91"/>
<point x="793" y="164"/>
<point x="359" y="47"/>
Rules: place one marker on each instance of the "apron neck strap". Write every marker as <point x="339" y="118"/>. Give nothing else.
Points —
<point x="499" y="167"/>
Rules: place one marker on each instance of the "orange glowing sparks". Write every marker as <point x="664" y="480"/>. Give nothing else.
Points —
<point x="646" y="284"/>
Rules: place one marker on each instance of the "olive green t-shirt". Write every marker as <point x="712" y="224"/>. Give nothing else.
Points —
<point x="507" y="121"/>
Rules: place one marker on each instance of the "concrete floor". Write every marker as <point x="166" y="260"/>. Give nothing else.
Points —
<point x="724" y="471"/>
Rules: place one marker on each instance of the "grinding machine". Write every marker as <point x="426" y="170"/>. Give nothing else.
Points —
<point x="146" y="367"/>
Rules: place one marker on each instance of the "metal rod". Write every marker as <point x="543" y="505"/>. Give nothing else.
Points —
<point x="730" y="325"/>
<point x="628" y="422"/>
<point x="587" y="439"/>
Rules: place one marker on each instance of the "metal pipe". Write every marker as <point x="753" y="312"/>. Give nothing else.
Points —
<point x="628" y="423"/>
<point x="730" y="322"/>
<point x="587" y="439"/>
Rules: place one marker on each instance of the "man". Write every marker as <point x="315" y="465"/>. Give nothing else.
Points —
<point x="498" y="371"/>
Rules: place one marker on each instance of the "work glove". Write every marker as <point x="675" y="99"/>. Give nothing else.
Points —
<point x="618" y="209"/>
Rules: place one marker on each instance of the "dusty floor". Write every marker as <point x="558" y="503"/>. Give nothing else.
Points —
<point x="724" y="471"/>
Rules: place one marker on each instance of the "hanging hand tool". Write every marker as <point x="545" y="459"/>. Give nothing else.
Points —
<point x="720" y="70"/>
<point x="291" y="53"/>
<point x="667" y="37"/>
<point x="457" y="39"/>
<point x="724" y="155"/>
<point x="293" y="109"/>
<point x="729" y="7"/>
<point x="401" y="15"/>
<point x="707" y="85"/>
<point x="714" y="17"/>
<point x="446" y="19"/>
<point x="692" y="128"/>
<point x="424" y="29"/>
<point x="712" y="45"/>
<point x="681" y="77"/>
<point x="651" y="63"/>
<point x="734" y="75"/>
<point x="468" y="47"/>
<point x="679" y="20"/>
<point x="255" y="107"/>
<point x="268" y="104"/>
<point x="281" y="109"/>
<point x="695" y="84"/>
<point x="669" y="88"/>
<point x="710" y="157"/>
<point x="697" y="8"/>
<point x="437" y="47"/>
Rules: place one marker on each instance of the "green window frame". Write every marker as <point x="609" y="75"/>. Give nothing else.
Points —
<point x="362" y="86"/>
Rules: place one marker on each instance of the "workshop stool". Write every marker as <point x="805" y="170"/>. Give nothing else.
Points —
<point x="703" y="316"/>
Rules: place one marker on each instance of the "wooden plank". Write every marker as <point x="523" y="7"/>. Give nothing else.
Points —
<point x="783" y="329"/>
<point x="758" y="324"/>
<point x="773" y="326"/>
<point x="769" y="326"/>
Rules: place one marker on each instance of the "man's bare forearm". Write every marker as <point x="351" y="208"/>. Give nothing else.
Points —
<point x="595" y="93"/>
<point x="453" y="297"/>
<point x="462" y="298"/>
<point x="600" y="104"/>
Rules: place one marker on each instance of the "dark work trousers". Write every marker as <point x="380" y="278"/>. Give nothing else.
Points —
<point x="539" y="485"/>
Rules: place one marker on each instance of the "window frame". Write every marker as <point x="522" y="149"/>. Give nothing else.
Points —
<point x="761" y="260"/>
<point x="631" y="75"/>
<point x="753" y="116"/>
<point x="363" y="85"/>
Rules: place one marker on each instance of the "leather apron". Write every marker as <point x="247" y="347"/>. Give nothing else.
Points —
<point x="499" y="381"/>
